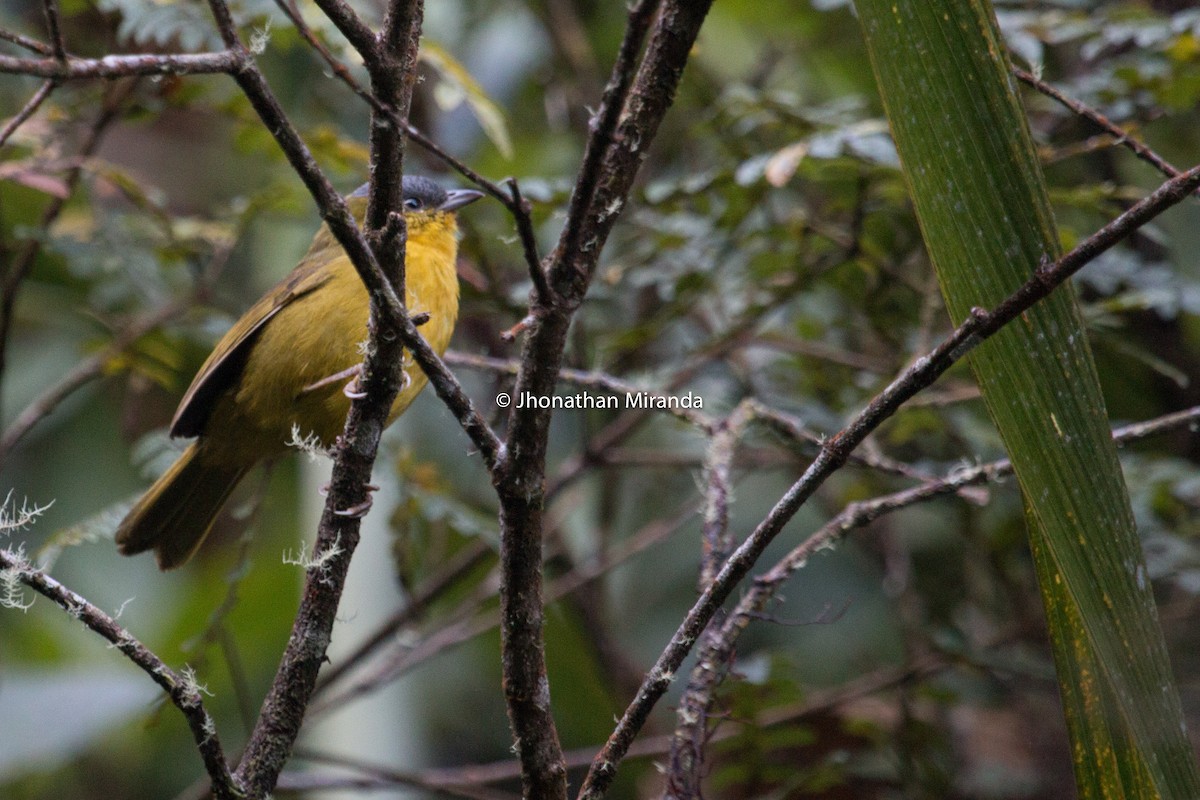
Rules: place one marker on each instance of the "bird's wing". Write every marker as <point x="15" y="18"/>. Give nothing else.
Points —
<point x="225" y="364"/>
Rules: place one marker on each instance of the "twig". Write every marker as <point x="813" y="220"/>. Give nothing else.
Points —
<point x="183" y="690"/>
<point x="521" y="212"/>
<point x="311" y="781"/>
<point x="1120" y="135"/>
<point x="834" y="453"/>
<point x="684" y="773"/>
<point x="631" y="111"/>
<point x="124" y="66"/>
<point x="21" y="40"/>
<point x="718" y="461"/>
<point x="604" y="124"/>
<point x="54" y="28"/>
<point x="357" y="32"/>
<point x="789" y="426"/>
<point x="28" y="110"/>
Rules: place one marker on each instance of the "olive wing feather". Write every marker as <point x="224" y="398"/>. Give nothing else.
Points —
<point x="224" y="365"/>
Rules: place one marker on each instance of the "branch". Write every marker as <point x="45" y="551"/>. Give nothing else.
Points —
<point x="125" y="66"/>
<point x="447" y="578"/>
<point x="28" y="110"/>
<point x="381" y="777"/>
<point x="835" y="452"/>
<point x="357" y="32"/>
<point x="54" y="28"/>
<point x="185" y="694"/>
<point x="1122" y="136"/>
<point x="522" y="215"/>
<point x="33" y="45"/>
<point x="616" y="148"/>
<point x="604" y="126"/>
<point x="718" y="460"/>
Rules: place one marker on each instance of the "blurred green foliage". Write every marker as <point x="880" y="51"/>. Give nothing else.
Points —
<point x="769" y="251"/>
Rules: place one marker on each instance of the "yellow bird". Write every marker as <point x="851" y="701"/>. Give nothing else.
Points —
<point x="286" y="363"/>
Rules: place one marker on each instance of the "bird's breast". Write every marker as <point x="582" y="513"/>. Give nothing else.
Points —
<point x="319" y="335"/>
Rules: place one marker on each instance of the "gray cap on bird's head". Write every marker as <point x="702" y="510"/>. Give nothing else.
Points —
<point x="420" y="194"/>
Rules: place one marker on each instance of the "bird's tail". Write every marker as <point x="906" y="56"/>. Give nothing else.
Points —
<point x="177" y="512"/>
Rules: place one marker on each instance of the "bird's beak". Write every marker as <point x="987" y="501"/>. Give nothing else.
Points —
<point x="457" y="198"/>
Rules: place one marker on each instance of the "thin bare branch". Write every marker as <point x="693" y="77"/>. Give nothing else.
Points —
<point x="123" y="66"/>
<point x="378" y="776"/>
<point x="183" y="690"/>
<point x="357" y="32"/>
<point x="604" y="125"/>
<point x="521" y="211"/>
<point x="1119" y="134"/>
<point x="54" y="28"/>
<point x="32" y="45"/>
<point x="27" y="111"/>
<point x="445" y="579"/>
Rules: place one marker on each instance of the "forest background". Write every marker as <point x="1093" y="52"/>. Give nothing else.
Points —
<point x="768" y="252"/>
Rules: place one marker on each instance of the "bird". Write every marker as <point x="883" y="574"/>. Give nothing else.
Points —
<point x="282" y="369"/>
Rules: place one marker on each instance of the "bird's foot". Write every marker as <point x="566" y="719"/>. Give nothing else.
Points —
<point x="359" y="511"/>
<point x="353" y="389"/>
<point x="355" y="512"/>
<point x="354" y="372"/>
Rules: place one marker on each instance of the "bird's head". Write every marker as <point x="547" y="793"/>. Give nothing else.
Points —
<point x="427" y="206"/>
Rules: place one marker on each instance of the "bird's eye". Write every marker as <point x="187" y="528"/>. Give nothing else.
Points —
<point x="412" y="203"/>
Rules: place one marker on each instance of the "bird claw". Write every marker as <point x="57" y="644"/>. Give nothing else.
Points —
<point x="352" y="389"/>
<point x="354" y="371"/>
<point x="355" y="512"/>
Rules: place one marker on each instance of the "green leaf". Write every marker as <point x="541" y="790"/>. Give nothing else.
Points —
<point x="982" y="204"/>
<point x="456" y="86"/>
